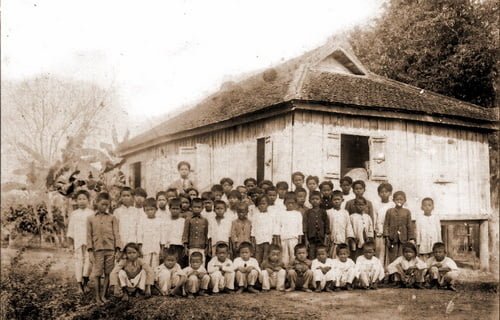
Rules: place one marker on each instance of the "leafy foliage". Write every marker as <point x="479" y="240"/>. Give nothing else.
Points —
<point x="33" y="219"/>
<point x="446" y="46"/>
<point x="29" y="291"/>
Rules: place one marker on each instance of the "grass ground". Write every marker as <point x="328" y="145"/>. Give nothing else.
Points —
<point x="477" y="298"/>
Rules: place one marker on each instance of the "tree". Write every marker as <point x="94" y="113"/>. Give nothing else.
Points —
<point x="446" y="46"/>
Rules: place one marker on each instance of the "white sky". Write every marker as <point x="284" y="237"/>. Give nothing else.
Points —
<point x="161" y="55"/>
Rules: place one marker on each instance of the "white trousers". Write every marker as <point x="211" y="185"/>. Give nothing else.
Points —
<point x="219" y="281"/>
<point x="287" y="248"/>
<point x="83" y="266"/>
<point x="274" y="280"/>
<point x="138" y="282"/>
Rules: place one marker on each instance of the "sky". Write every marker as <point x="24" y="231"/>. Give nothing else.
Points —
<point x="161" y="56"/>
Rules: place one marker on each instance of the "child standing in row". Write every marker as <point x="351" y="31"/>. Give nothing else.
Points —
<point x="219" y="228"/>
<point x="312" y="183"/>
<point x="128" y="216"/>
<point x="161" y="201"/>
<point x="290" y="227"/>
<point x="77" y="236"/>
<point x="362" y="226"/>
<point x="359" y="188"/>
<point x="103" y="243"/>
<point x="316" y="224"/>
<point x="340" y="224"/>
<point x="398" y="228"/>
<point x="428" y="229"/>
<point x="265" y="228"/>
<point x="345" y="186"/>
<point x="384" y="192"/>
<point x="241" y="228"/>
<point x="174" y="230"/>
<point x="150" y="234"/>
<point x="195" y="235"/>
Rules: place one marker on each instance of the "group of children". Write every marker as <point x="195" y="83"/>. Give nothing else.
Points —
<point x="255" y="237"/>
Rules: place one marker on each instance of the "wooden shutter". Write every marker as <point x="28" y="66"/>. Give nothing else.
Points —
<point x="378" y="166"/>
<point x="203" y="166"/>
<point x="268" y="158"/>
<point x="331" y="164"/>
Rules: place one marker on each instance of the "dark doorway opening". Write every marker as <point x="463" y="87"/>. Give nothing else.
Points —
<point x="261" y="150"/>
<point x="354" y="153"/>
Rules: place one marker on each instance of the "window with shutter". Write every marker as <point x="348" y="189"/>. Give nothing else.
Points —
<point x="378" y="166"/>
<point x="331" y="160"/>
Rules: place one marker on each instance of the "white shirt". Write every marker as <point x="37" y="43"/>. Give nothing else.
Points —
<point x="361" y="225"/>
<point x="445" y="263"/>
<point x="405" y="264"/>
<point x="128" y="219"/>
<point x="207" y="215"/>
<point x="239" y="262"/>
<point x="219" y="230"/>
<point x="215" y="265"/>
<point x="264" y="226"/>
<point x="379" y="215"/>
<point x="163" y="214"/>
<point x="230" y="214"/>
<point x="150" y="234"/>
<point x="340" y="225"/>
<point x="279" y="204"/>
<point x="369" y="266"/>
<point x="340" y="267"/>
<point x="316" y="264"/>
<point x="77" y="226"/>
<point x="173" y="231"/>
<point x="428" y="231"/>
<point x="290" y="224"/>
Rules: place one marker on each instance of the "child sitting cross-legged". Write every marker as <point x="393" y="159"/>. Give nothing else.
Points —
<point x="221" y="269"/>
<point x="169" y="277"/>
<point x="443" y="271"/>
<point x="247" y="269"/>
<point x="369" y="268"/>
<point x="322" y="268"/>
<point x="273" y="273"/>
<point x="197" y="278"/>
<point x="132" y="275"/>
<point x="299" y="272"/>
<point x="343" y="268"/>
<point x="408" y="270"/>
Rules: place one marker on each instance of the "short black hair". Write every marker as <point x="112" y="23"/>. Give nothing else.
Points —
<point x="103" y="196"/>
<point x="247" y="180"/>
<point x="298" y="247"/>
<point x="315" y="178"/>
<point x="140" y="192"/>
<point x="263" y="182"/>
<point x="216" y="202"/>
<point x="384" y="185"/>
<point x="290" y="196"/>
<point x="259" y="199"/>
<point x="221" y="245"/>
<point x="171" y="252"/>
<point x="271" y="188"/>
<point x="346" y="178"/>
<point x="134" y="246"/>
<point x="321" y="247"/>
<point x="314" y="193"/>
<point x="185" y="196"/>
<point x="195" y="254"/>
<point x="84" y="192"/>
<point x="360" y="199"/>
<point x="242" y="206"/>
<point x="369" y="244"/>
<point x="337" y="193"/>
<point x="174" y="190"/>
<point x="427" y="199"/>
<point x="341" y="246"/>
<point x="175" y="202"/>
<point x="226" y="180"/>
<point x="183" y="163"/>
<point x="151" y="203"/>
<point x="298" y="173"/>
<point x="234" y="194"/>
<point x="207" y="195"/>
<point x="438" y="245"/>
<point x="300" y="189"/>
<point x="360" y="182"/>
<point x="408" y="246"/>
<point x="326" y="183"/>
<point x="197" y="201"/>
<point x="399" y="193"/>
<point x="126" y="189"/>
<point x="282" y="185"/>
<point x="161" y="193"/>
<point x="245" y="244"/>
<point x="274" y="247"/>
<point x="216" y="187"/>
<point x="191" y="189"/>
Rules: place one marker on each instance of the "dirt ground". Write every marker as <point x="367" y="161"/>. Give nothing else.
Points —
<point x="477" y="298"/>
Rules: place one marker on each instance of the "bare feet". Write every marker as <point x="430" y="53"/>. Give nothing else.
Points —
<point x="306" y="289"/>
<point x="240" y="290"/>
<point x="290" y="289"/>
<point x="104" y="300"/>
<point x="251" y="289"/>
<point x="125" y="297"/>
<point x="190" y="296"/>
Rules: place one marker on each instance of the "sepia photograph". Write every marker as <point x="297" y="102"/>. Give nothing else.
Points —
<point x="249" y="160"/>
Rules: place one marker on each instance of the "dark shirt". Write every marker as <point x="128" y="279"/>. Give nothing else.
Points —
<point x="102" y="232"/>
<point x="316" y="225"/>
<point x="300" y="266"/>
<point x="326" y="202"/>
<point x="275" y="266"/>
<point x="195" y="232"/>
<point x="398" y="226"/>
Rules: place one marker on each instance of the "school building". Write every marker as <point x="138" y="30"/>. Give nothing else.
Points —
<point x="325" y="114"/>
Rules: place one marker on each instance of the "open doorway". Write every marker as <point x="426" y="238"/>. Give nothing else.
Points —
<point x="261" y="158"/>
<point x="354" y="152"/>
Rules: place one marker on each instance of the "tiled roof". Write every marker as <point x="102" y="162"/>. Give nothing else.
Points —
<point x="299" y="79"/>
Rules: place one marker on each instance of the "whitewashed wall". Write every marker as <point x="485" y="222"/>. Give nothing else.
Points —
<point x="424" y="160"/>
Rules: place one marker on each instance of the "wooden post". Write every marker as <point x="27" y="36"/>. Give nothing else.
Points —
<point x="484" y="255"/>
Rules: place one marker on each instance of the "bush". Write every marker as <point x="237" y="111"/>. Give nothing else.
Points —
<point x="29" y="291"/>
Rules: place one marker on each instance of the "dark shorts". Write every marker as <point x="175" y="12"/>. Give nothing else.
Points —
<point x="104" y="262"/>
